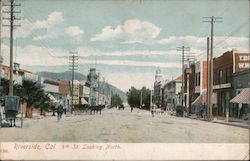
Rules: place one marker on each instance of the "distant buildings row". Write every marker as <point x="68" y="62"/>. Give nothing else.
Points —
<point x="84" y="92"/>
<point x="231" y="74"/>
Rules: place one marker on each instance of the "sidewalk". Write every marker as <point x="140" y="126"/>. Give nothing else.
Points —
<point x="222" y="120"/>
<point x="232" y="121"/>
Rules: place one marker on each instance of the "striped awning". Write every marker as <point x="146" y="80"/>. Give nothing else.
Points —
<point x="83" y="101"/>
<point x="243" y="97"/>
<point x="198" y="100"/>
<point x="201" y="99"/>
<point x="52" y="98"/>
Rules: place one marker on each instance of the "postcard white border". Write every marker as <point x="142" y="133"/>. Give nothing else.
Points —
<point x="123" y="151"/>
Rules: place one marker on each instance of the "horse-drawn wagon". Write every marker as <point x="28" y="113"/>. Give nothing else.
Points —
<point x="10" y="107"/>
<point x="121" y="107"/>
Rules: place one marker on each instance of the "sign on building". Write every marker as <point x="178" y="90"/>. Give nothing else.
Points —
<point x="242" y="62"/>
<point x="75" y="94"/>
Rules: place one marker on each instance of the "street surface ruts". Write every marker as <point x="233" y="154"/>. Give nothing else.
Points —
<point x="123" y="126"/>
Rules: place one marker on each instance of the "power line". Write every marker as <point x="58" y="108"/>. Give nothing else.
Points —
<point x="49" y="49"/>
<point x="201" y="31"/>
<point x="43" y="43"/>
<point x="222" y="41"/>
<point x="232" y="33"/>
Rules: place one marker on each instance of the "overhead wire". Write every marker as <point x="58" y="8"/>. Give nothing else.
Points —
<point x="43" y="42"/>
<point x="201" y="56"/>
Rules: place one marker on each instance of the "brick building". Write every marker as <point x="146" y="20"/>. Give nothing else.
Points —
<point x="64" y="87"/>
<point x="198" y="86"/>
<point x="223" y="69"/>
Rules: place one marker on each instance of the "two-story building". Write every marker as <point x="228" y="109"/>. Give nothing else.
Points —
<point x="200" y="85"/>
<point x="172" y="93"/>
<point x="84" y="92"/>
<point x="189" y="87"/>
<point x="18" y="74"/>
<point x="241" y="94"/>
<point x="223" y="69"/>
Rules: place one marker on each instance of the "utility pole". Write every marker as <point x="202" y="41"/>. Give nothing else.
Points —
<point x="141" y="99"/>
<point x="1" y="58"/>
<point x="183" y="49"/>
<point x="189" y="59"/>
<point x="103" y="92"/>
<point x="98" y="96"/>
<point x="208" y="81"/>
<point x="12" y="18"/>
<point x="211" y="20"/>
<point x="151" y="91"/>
<point x="72" y="66"/>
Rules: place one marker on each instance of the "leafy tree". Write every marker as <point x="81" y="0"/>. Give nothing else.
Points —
<point x="4" y="90"/>
<point x="45" y="103"/>
<point x="115" y="100"/>
<point x="31" y="93"/>
<point x="134" y="96"/>
<point x="4" y="87"/>
<point x="145" y="98"/>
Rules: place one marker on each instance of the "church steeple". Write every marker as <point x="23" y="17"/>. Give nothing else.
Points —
<point x="158" y="75"/>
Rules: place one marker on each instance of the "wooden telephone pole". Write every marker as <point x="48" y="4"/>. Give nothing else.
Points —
<point x="183" y="49"/>
<point x="73" y="67"/>
<point x="12" y="18"/>
<point x="211" y="20"/>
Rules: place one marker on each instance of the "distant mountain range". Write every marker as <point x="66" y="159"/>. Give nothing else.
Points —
<point x="104" y="87"/>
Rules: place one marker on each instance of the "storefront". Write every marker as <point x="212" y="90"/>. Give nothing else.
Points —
<point x="242" y="102"/>
<point x="240" y="81"/>
<point x="224" y="93"/>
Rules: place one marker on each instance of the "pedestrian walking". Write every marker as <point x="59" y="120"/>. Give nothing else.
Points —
<point x="152" y="111"/>
<point x="59" y="112"/>
<point x="131" y="108"/>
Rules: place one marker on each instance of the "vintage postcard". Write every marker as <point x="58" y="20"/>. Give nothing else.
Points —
<point x="124" y="79"/>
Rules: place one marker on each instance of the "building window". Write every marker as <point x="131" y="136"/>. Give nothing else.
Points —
<point x="229" y="74"/>
<point x="215" y="78"/>
<point x="226" y="76"/>
<point x="199" y="79"/>
<point x="196" y="79"/>
<point x="220" y="76"/>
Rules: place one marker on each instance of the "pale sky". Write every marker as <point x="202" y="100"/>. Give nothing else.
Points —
<point x="125" y="40"/>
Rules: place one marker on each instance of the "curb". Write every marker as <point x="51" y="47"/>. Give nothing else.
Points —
<point x="225" y="123"/>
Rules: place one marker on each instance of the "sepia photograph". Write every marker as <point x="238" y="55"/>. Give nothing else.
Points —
<point x="124" y="79"/>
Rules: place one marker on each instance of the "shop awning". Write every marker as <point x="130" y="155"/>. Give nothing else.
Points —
<point x="201" y="99"/>
<point x="83" y="101"/>
<point x="197" y="101"/>
<point x="53" y="99"/>
<point x="243" y="97"/>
